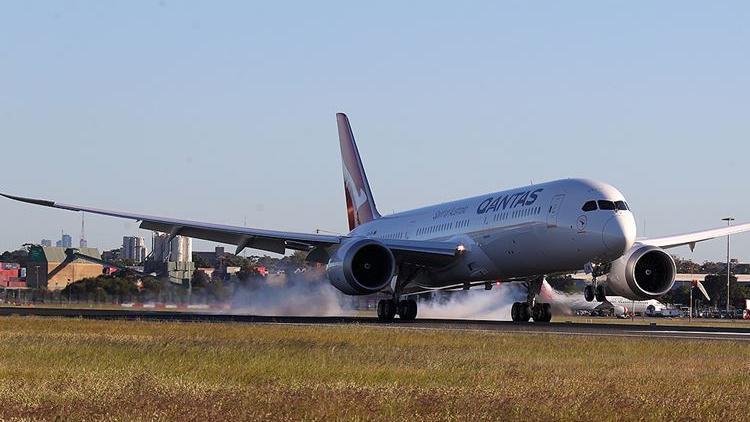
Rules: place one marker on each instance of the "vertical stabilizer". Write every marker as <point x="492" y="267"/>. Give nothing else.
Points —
<point x="360" y="206"/>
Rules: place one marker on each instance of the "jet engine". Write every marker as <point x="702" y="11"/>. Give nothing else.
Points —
<point x="643" y="272"/>
<point x="361" y="267"/>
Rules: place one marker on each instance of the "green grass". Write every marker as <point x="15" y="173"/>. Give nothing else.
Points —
<point x="119" y="370"/>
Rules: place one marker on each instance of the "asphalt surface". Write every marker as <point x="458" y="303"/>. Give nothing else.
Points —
<point x="654" y="330"/>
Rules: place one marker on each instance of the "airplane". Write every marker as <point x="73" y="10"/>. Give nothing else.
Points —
<point x="517" y="235"/>
<point x="619" y="305"/>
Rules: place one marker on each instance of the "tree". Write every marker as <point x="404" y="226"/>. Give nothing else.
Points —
<point x="298" y="258"/>
<point x="677" y="295"/>
<point x="247" y="271"/>
<point x="20" y="256"/>
<point x="716" y="286"/>
<point x="563" y="283"/>
<point x="686" y="266"/>
<point x="200" y="262"/>
<point x="199" y="280"/>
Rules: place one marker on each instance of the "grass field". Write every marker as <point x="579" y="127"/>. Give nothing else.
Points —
<point x="118" y="370"/>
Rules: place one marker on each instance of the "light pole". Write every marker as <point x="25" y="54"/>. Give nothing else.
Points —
<point x="729" y="260"/>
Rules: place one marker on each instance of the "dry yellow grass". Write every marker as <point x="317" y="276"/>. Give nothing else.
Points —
<point x="118" y="370"/>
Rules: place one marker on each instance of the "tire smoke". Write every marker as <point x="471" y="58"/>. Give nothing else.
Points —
<point x="477" y="304"/>
<point x="304" y="294"/>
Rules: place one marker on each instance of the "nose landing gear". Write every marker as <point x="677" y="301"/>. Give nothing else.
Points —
<point x="595" y="290"/>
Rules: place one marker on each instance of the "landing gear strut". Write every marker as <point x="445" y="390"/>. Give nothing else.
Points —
<point x="405" y="309"/>
<point x="539" y="312"/>
<point x="595" y="290"/>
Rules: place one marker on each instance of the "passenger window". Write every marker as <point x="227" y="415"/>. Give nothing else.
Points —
<point x="621" y="205"/>
<point x="589" y="206"/>
<point x="606" y="205"/>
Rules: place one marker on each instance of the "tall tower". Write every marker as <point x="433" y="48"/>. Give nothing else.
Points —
<point x="83" y="243"/>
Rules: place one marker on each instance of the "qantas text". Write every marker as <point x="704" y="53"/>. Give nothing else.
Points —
<point x="518" y="199"/>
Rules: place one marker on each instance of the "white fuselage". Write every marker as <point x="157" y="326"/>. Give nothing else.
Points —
<point x="533" y="230"/>
<point x="621" y="305"/>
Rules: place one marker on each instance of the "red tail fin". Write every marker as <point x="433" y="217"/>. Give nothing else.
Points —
<point x="360" y="205"/>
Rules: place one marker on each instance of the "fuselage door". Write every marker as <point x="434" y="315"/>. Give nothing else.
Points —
<point x="553" y="210"/>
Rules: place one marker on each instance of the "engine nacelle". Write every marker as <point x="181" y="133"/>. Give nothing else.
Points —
<point x="361" y="267"/>
<point x="644" y="272"/>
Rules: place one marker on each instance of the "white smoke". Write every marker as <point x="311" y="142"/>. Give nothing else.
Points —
<point x="562" y="303"/>
<point x="310" y="294"/>
<point x="477" y="304"/>
<point x="305" y="294"/>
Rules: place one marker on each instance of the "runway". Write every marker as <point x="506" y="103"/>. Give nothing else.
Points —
<point x="654" y="330"/>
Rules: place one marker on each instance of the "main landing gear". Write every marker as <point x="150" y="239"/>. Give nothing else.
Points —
<point x="539" y="312"/>
<point x="389" y="308"/>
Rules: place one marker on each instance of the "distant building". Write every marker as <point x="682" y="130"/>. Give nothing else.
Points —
<point x="113" y="255"/>
<point x="180" y="249"/>
<point x="65" y="242"/>
<point x="46" y="243"/>
<point x="212" y="259"/>
<point x="134" y="248"/>
<point x="52" y="269"/>
<point x="10" y="276"/>
<point x="83" y="243"/>
<point x="173" y="259"/>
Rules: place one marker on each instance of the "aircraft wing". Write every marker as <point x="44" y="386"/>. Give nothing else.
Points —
<point x="243" y="237"/>
<point x="692" y="238"/>
<point x="428" y="253"/>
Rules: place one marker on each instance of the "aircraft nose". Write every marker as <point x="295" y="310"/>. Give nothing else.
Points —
<point x="618" y="234"/>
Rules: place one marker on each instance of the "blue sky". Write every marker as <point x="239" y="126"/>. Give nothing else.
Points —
<point x="224" y="111"/>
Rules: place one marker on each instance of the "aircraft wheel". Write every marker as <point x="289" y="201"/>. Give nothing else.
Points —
<point x="601" y="293"/>
<point x="541" y="312"/>
<point x="524" y="312"/>
<point x="537" y="312"/>
<point x="407" y="309"/>
<point x="546" y="312"/>
<point x="386" y="310"/>
<point x="588" y="293"/>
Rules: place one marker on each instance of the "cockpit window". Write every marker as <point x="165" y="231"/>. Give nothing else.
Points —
<point x="606" y="205"/>
<point x="589" y="206"/>
<point x="621" y="205"/>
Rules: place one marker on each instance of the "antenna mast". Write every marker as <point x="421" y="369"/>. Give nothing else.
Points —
<point x="83" y="243"/>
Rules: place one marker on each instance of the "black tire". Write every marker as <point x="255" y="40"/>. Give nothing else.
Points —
<point x="546" y="312"/>
<point x="601" y="293"/>
<point x="390" y="309"/>
<point x="524" y="312"/>
<point x="514" y="312"/>
<point x="407" y="310"/>
<point x="386" y="310"/>
<point x="413" y="309"/>
<point x="537" y="313"/>
<point x="588" y="293"/>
